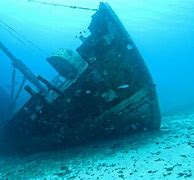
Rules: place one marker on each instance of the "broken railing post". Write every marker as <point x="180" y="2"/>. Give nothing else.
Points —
<point x="28" y="74"/>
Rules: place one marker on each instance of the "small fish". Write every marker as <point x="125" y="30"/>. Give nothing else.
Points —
<point x="123" y="86"/>
<point x="129" y="46"/>
<point x="88" y="92"/>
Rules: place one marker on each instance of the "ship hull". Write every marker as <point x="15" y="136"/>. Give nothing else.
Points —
<point x="113" y="95"/>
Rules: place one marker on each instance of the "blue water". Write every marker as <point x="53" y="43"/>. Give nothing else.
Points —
<point x="163" y="30"/>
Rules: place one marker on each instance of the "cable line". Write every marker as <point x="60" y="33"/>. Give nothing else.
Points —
<point x="21" y="38"/>
<point x="21" y="41"/>
<point x="63" y="5"/>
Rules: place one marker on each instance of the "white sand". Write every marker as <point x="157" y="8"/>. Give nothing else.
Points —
<point x="168" y="154"/>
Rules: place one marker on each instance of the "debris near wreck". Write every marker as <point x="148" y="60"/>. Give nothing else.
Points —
<point x="103" y="90"/>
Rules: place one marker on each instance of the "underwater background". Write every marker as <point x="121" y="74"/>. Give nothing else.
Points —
<point x="162" y="30"/>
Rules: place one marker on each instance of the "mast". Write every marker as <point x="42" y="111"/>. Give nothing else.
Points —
<point x="28" y="74"/>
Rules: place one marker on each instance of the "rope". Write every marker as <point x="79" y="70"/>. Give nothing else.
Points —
<point x="63" y="5"/>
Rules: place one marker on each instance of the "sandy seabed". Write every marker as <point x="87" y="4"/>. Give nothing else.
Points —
<point x="168" y="154"/>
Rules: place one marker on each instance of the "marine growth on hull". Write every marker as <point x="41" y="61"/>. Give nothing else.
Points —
<point x="103" y="90"/>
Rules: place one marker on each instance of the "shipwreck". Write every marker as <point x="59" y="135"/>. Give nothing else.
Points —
<point x="104" y="89"/>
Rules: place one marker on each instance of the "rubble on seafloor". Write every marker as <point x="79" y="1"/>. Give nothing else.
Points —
<point x="168" y="154"/>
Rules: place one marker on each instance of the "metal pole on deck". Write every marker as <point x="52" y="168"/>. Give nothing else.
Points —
<point x="28" y="74"/>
